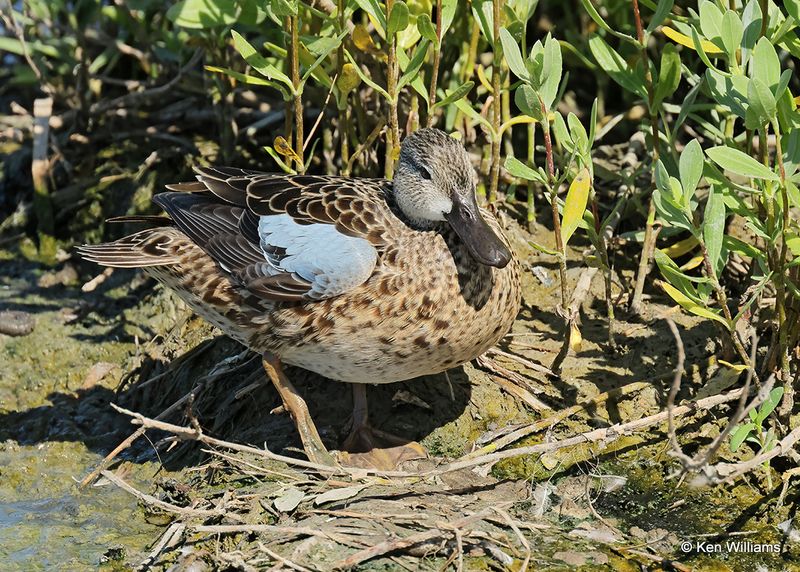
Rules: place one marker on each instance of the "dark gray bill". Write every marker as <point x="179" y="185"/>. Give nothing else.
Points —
<point x="481" y="241"/>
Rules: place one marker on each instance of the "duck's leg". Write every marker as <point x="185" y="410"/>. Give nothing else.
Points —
<point x="297" y="408"/>
<point x="372" y="448"/>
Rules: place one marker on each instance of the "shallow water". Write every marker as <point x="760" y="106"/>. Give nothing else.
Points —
<point x="46" y="522"/>
<point x="55" y="426"/>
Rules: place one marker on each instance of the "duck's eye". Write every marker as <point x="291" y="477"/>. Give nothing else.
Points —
<point x="426" y="174"/>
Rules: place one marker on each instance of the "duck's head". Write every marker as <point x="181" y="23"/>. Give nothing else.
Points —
<point x="435" y="182"/>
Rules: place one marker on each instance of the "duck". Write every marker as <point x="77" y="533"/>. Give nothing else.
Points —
<point x="360" y="280"/>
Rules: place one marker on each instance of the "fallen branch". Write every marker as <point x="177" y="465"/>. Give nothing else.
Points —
<point x="604" y="434"/>
<point x="282" y="531"/>
<point x="724" y="473"/>
<point x="549" y="422"/>
<point x="153" y="501"/>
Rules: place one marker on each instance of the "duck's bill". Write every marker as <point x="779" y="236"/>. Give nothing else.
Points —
<point x="479" y="238"/>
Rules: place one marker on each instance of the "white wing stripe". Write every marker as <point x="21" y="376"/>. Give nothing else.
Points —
<point x="332" y="262"/>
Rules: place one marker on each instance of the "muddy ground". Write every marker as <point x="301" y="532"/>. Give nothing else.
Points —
<point x="608" y="505"/>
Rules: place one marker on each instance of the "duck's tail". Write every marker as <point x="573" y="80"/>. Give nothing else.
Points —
<point x="158" y="246"/>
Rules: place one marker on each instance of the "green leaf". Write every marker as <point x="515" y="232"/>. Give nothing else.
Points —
<point x="283" y="8"/>
<point x="257" y="62"/>
<point x="711" y="21"/>
<point x="730" y="91"/>
<point x="751" y="21"/>
<point x="579" y="136"/>
<point x="523" y="9"/>
<point x="374" y="9"/>
<point x="734" y="244"/>
<point x="663" y="10"/>
<point x="364" y="77"/>
<point x="563" y="138"/>
<point x="740" y="163"/>
<point x="575" y="204"/>
<point x="701" y="51"/>
<point x="426" y="29"/>
<point x="769" y="405"/>
<point x="544" y="249"/>
<point x="765" y="64"/>
<point x="14" y="46"/>
<point x="674" y="276"/>
<point x="528" y="102"/>
<point x="398" y="19"/>
<point x="690" y="166"/>
<point x="793" y="9"/>
<point x="595" y="15"/>
<point x="732" y="33"/>
<point x="203" y="14"/>
<point x="714" y="229"/>
<point x="513" y="55"/>
<point x="482" y="12"/>
<point x="786" y="77"/>
<point x="519" y="169"/>
<point x="468" y="110"/>
<point x="451" y="96"/>
<point x="249" y="79"/>
<point x="593" y="122"/>
<point x="616" y="67"/>
<point x="551" y="72"/>
<point x="740" y="434"/>
<point x="762" y="108"/>
<point x="669" y="75"/>
<point x="414" y="64"/>
<point x="449" y="8"/>
<point x="326" y="50"/>
<point x="692" y="306"/>
<point x="670" y="210"/>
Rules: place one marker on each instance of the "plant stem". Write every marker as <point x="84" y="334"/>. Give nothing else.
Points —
<point x="393" y="134"/>
<point x="297" y="97"/>
<point x="722" y="300"/>
<point x="412" y="124"/>
<point x="531" y="202"/>
<point x="497" y="67"/>
<point x="602" y="251"/>
<point x="344" y="127"/>
<point x="787" y="402"/>
<point x="764" y="5"/>
<point x="437" y="54"/>
<point x="562" y="258"/>
<point x="649" y="238"/>
<point x="551" y="172"/>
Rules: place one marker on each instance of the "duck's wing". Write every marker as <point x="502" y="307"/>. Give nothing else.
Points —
<point x="285" y="237"/>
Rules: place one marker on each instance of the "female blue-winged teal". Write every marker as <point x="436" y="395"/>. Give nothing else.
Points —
<point x="359" y="280"/>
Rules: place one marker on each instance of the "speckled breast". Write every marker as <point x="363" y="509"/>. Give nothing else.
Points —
<point x="429" y="308"/>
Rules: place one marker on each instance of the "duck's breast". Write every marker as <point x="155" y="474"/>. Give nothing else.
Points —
<point x="428" y="307"/>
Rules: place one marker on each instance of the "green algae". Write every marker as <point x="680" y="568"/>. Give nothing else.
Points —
<point x="55" y="410"/>
<point x="46" y="522"/>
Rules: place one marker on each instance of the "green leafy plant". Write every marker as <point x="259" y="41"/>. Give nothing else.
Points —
<point x="750" y="94"/>
<point x="753" y="431"/>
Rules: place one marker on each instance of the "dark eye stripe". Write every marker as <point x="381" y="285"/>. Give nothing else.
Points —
<point x="419" y="167"/>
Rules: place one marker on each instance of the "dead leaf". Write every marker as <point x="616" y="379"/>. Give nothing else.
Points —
<point x="338" y="494"/>
<point x="289" y="500"/>
<point x="362" y="39"/>
<point x="282" y="147"/>
<point x="96" y="373"/>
